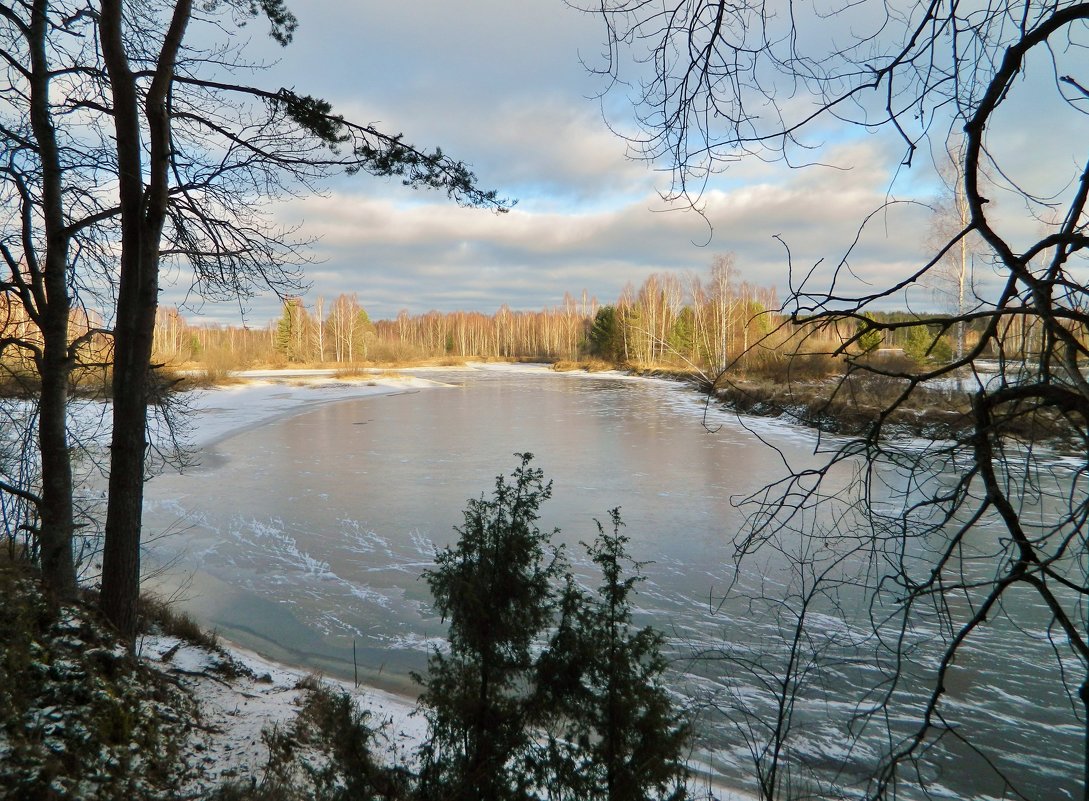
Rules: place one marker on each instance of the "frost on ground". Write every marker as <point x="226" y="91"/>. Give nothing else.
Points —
<point x="81" y="718"/>
<point x="242" y="696"/>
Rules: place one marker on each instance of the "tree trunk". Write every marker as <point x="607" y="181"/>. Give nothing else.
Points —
<point x="143" y="214"/>
<point x="128" y="446"/>
<point x="57" y="521"/>
<point x="52" y="301"/>
<point x="121" y="556"/>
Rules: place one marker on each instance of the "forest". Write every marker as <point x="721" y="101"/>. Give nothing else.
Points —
<point x="707" y="324"/>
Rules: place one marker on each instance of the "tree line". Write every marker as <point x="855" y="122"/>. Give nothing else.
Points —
<point x="708" y="323"/>
<point x="668" y="319"/>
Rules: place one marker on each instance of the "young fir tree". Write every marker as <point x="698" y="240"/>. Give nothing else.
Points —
<point x="495" y="587"/>
<point x="616" y="735"/>
<point x="605" y="337"/>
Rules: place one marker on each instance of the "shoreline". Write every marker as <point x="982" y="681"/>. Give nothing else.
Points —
<point x="218" y="413"/>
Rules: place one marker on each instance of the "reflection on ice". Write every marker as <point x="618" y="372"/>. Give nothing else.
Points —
<point x="309" y="535"/>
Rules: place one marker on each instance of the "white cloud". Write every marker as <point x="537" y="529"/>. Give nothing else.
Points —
<point x="428" y="253"/>
<point x="500" y="85"/>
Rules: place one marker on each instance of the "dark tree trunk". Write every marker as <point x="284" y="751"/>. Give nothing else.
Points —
<point x="128" y="446"/>
<point x="48" y="293"/>
<point x="57" y="521"/>
<point x="143" y="213"/>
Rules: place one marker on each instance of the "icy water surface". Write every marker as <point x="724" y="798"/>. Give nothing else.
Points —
<point x="306" y="538"/>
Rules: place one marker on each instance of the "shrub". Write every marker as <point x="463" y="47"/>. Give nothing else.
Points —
<point x="544" y="687"/>
<point x="155" y="612"/>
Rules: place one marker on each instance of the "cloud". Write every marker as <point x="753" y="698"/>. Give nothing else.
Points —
<point x="500" y="85"/>
<point x="417" y="251"/>
<point x="544" y="148"/>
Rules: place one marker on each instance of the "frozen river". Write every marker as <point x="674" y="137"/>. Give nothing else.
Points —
<point x="305" y="538"/>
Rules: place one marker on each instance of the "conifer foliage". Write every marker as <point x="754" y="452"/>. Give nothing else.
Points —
<point x="546" y="690"/>
<point x="616" y="735"/>
<point x="495" y="588"/>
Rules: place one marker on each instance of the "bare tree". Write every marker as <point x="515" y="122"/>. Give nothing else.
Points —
<point x="976" y="540"/>
<point x="52" y="220"/>
<point x="319" y="328"/>
<point x="126" y="145"/>
<point x="953" y="277"/>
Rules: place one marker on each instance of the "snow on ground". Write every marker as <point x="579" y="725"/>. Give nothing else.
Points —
<point x="219" y="412"/>
<point x="236" y="709"/>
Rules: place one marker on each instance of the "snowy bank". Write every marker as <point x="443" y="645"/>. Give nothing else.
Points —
<point x="265" y="396"/>
<point x="236" y="709"/>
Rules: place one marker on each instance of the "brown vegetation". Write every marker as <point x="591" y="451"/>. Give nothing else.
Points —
<point x="851" y="405"/>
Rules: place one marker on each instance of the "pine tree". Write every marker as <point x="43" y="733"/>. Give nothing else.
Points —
<point x="546" y="689"/>
<point x="682" y="336"/>
<point x="869" y="337"/>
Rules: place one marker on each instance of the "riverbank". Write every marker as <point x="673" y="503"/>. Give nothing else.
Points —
<point x="216" y="703"/>
<point x="270" y="397"/>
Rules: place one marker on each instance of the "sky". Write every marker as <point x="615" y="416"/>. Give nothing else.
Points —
<point x="504" y="86"/>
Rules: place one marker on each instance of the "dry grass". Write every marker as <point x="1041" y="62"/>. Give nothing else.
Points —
<point x="353" y="372"/>
<point x="158" y="614"/>
<point x="853" y="405"/>
<point x="451" y="361"/>
<point x="586" y="365"/>
<point x="18" y="382"/>
<point x="784" y="368"/>
<point x="21" y="381"/>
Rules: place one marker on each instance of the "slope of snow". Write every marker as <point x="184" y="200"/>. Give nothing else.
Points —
<point x="241" y="694"/>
